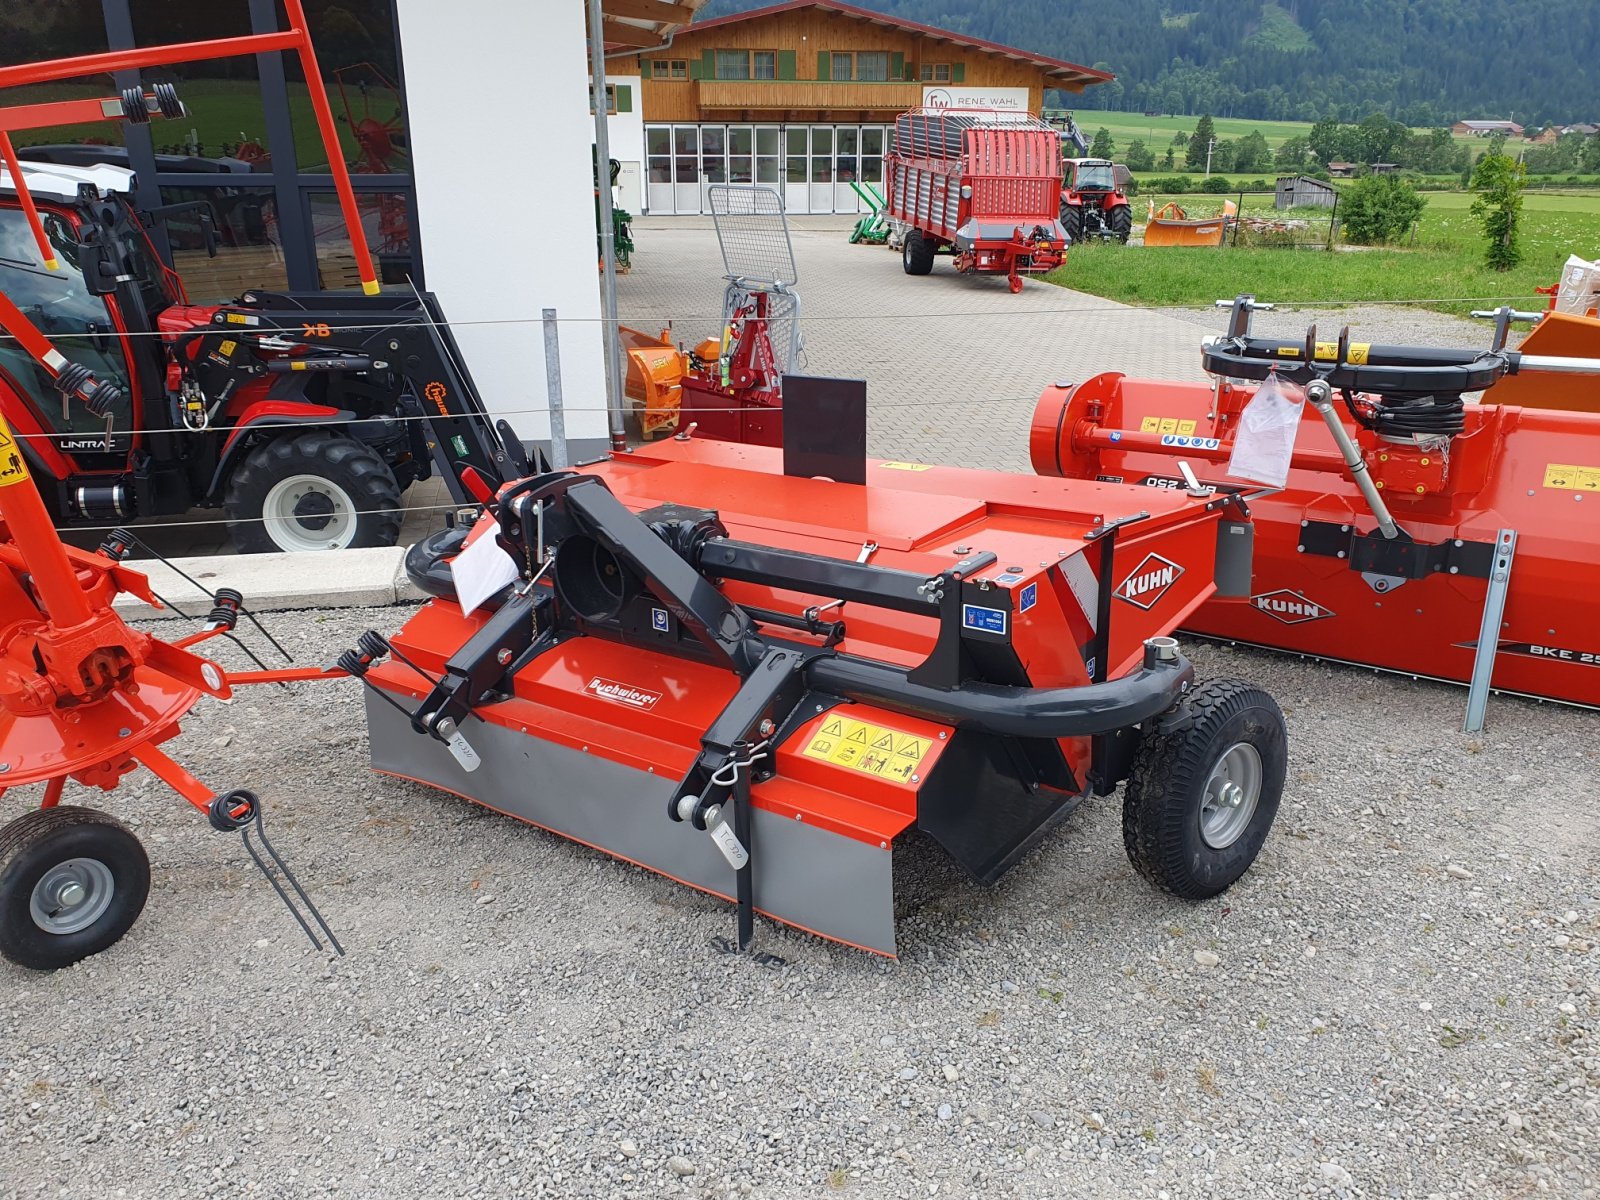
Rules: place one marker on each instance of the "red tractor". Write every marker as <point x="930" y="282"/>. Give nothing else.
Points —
<point x="1094" y="200"/>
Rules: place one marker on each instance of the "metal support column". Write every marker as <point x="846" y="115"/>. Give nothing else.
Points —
<point x="1494" y="607"/>
<point x="608" y="245"/>
<point x="552" y="383"/>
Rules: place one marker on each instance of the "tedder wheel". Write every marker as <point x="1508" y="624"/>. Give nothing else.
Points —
<point x="1072" y="222"/>
<point x="916" y="252"/>
<point x="72" y="881"/>
<point x="1120" y="221"/>
<point x="1204" y="788"/>
<point x="314" y="491"/>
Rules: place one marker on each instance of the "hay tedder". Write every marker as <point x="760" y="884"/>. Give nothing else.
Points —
<point x="984" y="185"/>
<point x="1416" y="532"/>
<point x="762" y="683"/>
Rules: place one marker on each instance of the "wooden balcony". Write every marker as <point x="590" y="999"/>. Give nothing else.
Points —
<point x="723" y="96"/>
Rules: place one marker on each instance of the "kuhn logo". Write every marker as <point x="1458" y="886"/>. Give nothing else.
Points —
<point x="1290" y="607"/>
<point x="622" y="693"/>
<point x="1149" y="581"/>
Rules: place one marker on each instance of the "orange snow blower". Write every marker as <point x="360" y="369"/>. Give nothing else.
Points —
<point x="1415" y="533"/>
<point x="711" y="661"/>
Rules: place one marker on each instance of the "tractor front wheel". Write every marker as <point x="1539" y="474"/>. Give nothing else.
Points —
<point x="1120" y="221"/>
<point x="916" y="253"/>
<point x="72" y="882"/>
<point x="314" y="491"/>
<point x="1204" y="789"/>
<point x="1072" y="222"/>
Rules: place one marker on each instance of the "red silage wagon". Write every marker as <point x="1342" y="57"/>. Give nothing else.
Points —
<point x="985" y="184"/>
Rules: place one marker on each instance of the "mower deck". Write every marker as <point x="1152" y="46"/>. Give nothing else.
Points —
<point x="596" y="730"/>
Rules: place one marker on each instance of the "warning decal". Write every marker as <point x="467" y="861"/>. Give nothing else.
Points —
<point x="872" y="749"/>
<point x="1166" y="425"/>
<point x="12" y="468"/>
<point x="905" y="466"/>
<point x="1577" y="479"/>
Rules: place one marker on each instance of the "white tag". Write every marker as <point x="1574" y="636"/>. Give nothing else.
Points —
<point x="728" y="842"/>
<point x="463" y="752"/>
<point x="481" y="570"/>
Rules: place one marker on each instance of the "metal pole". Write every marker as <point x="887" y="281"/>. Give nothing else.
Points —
<point x="1494" y="607"/>
<point x="552" y="384"/>
<point x="608" y="243"/>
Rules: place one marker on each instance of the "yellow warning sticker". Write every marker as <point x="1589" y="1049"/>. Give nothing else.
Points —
<point x="1358" y="353"/>
<point x="227" y="346"/>
<point x="887" y="753"/>
<point x="1556" y="475"/>
<point x="1166" y="425"/>
<point x="12" y="467"/>
<point x="903" y="466"/>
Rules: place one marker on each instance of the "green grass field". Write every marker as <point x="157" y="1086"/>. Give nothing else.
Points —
<point x="1157" y="132"/>
<point x="1442" y="269"/>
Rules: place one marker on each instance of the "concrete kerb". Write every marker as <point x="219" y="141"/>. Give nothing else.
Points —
<point x="274" y="582"/>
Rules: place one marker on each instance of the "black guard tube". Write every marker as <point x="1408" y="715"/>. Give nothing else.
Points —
<point x="1010" y="711"/>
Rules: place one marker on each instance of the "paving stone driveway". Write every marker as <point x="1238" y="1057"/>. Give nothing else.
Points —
<point x="953" y="364"/>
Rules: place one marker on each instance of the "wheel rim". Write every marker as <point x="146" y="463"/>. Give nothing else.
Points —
<point x="308" y="512"/>
<point x="1232" y="792"/>
<point x="72" y="895"/>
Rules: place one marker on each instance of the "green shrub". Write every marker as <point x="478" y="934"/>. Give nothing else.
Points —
<point x="1172" y="184"/>
<point x="1378" y="208"/>
<point x="1216" y="184"/>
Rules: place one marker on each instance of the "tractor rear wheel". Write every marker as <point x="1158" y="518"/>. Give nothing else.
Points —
<point x="1204" y="789"/>
<point x="312" y="491"/>
<point x="72" y="882"/>
<point x="1072" y="222"/>
<point x="1120" y="221"/>
<point x="916" y="253"/>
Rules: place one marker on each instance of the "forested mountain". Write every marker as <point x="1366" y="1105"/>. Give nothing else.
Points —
<point x="1424" y="62"/>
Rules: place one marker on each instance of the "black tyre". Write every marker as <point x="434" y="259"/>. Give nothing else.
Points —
<point x="1205" y="787"/>
<point x="1072" y="222"/>
<point x="312" y="491"/>
<point x="72" y="882"/>
<point x="1120" y="221"/>
<point x="916" y="252"/>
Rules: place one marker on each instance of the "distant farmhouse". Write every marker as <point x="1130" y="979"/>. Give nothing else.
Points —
<point x="1484" y="128"/>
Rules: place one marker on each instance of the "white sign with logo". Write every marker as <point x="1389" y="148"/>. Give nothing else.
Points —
<point x="958" y="96"/>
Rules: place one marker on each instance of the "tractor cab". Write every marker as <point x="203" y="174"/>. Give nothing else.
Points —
<point x="1094" y="199"/>
<point x="1091" y="175"/>
<point x="101" y="293"/>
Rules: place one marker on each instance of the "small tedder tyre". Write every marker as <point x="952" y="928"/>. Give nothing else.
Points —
<point x="1204" y="789"/>
<point x="72" y="882"/>
<point x="314" y="491"/>
<point x="916" y="253"/>
<point x="1072" y="222"/>
<point x="1120" y="221"/>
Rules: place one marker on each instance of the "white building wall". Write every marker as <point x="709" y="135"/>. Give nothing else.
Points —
<point x="625" y="130"/>
<point x="505" y="209"/>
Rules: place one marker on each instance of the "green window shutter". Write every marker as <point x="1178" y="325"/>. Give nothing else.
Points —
<point x="708" y="68"/>
<point x="897" y="67"/>
<point x="824" y="65"/>
<point x="785" y="64"/>
<point x="624" y="97"/>
<point x="697" y="69"/>
<point x="958" y="72"/>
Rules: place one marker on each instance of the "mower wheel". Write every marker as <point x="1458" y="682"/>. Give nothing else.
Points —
<point x="916" y="252"/>
<point x="1072" y="222"/>
<point x="72" y="882"/>
<point x="1120" y="221"/>
<point x="1204" y="789"/>
<point x="314" y="491"/>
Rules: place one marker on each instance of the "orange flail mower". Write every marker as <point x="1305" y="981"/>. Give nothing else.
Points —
<point x="1414" y="532"/>
<point x="763" y="684"/>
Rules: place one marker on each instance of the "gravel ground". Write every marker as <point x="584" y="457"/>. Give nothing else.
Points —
<point x="1400" y="999"/>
